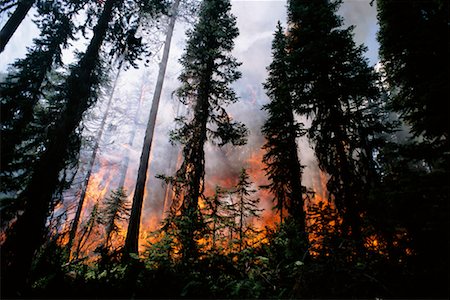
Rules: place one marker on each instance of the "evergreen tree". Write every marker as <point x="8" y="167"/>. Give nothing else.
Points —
<point x="89" y="227"/>
<point x="115" y="209"/>
<point x="217" y="218"/>
<point x="208" y="71"/>
<point x="416" y="173"/>
<point x="244" y="207"/>
<point x="333" y="84"/>
<point x="281" y="130"/>
<point x="132" y="134"/>
<point x="91" y="162"/>
<point x="414" y="54"/>
<point x="30" y="82"/>
<point x="131" y="242"/>
<point x="25" y="236"/>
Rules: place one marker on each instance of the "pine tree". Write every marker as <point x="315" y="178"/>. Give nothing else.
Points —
<point x="115" y="209"/>
<point x="208" y="71"/>
<point x="25" y="236"/>
<point x="281" y="130"/>
<point x="31" y="81"/>
<point x="244" y="207"/>
<point x="132" y="240"/>
<point x="415" y="55"/>
<point x="333" y="84"/>
<point x="416" y="173"/>
<point x="216" y="217"/>
<point x="126" y="160"/>
<point x="89" y="227"/>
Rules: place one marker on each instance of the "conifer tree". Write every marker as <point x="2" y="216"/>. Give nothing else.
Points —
<point x="281" y="130"/>
<point x="95" y="149"/>
<point x="25" y="236"/>
<point x="115" y="209"/>
<point x="208" y="71"/>
<point x="89" y="227"/>
<point x="416" y="173"/>
<point x="131" y="242"/>
<point x="333" y="84"/>
<point x="244" y="207"/>
<point x="415" y="55"/>
<point x="216" y="216"/>
<point x="31" y="81"/>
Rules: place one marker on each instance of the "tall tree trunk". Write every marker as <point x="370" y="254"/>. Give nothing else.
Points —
<point x="241" y="221"/>
<point x="76" y="219"/>
<point x="194" y="166"/>
<point x="14" y="21"/>
<point x="296" y="205"/>
<point x="132" y="239"/>
<point x="25" y="237"/>
<point x="351" y="221"/>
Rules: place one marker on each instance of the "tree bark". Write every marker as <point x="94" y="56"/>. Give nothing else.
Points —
<point x="296" y="205"/>
<point x="14" y="21"/>
<point x="132" y="239"/>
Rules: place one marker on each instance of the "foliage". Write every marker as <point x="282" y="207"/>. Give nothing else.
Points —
<point x="28" y="101"/>
<point x="208" y="70"/>
<point x="383" y="232"/>
<point x="244" y="210"/>
<point x="334" y="85"/>
<point x="218" y="218"/>
<point x="412" y="56"/>
<point x="281" y="130"/>
<point x="115" y="210"/>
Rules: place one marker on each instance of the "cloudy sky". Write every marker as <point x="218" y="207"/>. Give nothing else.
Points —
<point x="256" y="21"/>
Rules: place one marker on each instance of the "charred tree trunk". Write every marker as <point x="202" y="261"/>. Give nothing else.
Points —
<point x="241" y="222"/>
<point x="349" y="194"/>
<point x="76" y="219"/>
<point x="132" y="239"/>
<point x="25" y="237"/>
<point x="14" y="21"/>
<point x="295" y="206"/>
<point x="194" y="167"/>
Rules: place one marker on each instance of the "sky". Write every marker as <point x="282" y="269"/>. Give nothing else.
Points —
<point x="256" y="21"/>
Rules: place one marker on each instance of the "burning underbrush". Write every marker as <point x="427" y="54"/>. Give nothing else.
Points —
<point x="225" y="230"/>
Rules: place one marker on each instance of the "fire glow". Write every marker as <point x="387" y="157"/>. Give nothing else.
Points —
<point x="322" y="215"/>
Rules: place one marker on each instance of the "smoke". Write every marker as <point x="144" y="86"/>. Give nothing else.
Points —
<point x="256" y="21"/>
<point x="363" y="16"/>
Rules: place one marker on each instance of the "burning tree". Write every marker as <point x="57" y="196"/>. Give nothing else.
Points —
<point x="333" y="84"/>
<point x="217" y="217"/>
<point x="26" y="99"/>
<point x="209" y="69"/>
<point x="78" y="93"/>
<point x="281" y="130"/>
<point x="115" y="209"/>
<point x="243" y="209"/>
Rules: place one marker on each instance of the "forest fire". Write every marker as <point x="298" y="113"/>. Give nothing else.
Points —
<point x="322" y="216"/>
